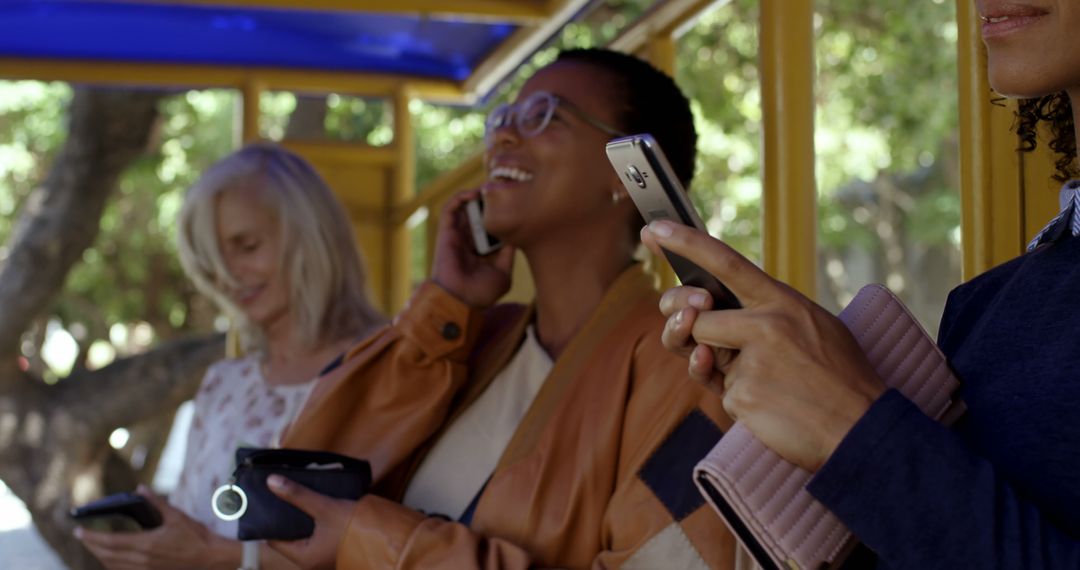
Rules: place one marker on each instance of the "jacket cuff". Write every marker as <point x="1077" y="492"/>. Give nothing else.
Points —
<point x="377" y="533"/>
<point x="439" y="323"/>
<point x="861" y="448"/>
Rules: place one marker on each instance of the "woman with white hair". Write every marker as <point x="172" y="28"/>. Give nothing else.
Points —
<point x="264" y="237"/>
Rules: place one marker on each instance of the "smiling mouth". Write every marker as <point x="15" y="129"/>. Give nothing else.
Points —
<point x="246" y="294"/>
<point x="1009" y="12"/>
<point x="509" y="174"/>
<point x="1005" y="20"/>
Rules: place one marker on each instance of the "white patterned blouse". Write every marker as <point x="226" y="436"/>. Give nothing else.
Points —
<point x="234" y="407"/>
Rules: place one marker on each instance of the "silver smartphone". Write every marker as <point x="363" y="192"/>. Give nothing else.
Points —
<point x="658" y="195"/>
<point x="483" y="242"/>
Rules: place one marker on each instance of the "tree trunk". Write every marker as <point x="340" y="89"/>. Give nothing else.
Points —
<point x="53" y="437"/>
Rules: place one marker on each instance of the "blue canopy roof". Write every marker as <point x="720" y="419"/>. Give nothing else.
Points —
<point x="417" y="45"/>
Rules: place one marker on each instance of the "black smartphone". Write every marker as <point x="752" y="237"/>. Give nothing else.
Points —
<point x="658" y="195"/>
<point x="483" y="242"/>
<point x="122" y="512"/>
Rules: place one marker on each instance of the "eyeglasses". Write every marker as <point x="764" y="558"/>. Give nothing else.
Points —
<point x="532" y="116"/>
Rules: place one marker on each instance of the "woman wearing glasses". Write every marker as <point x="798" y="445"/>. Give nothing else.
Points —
<point x="559" y="434"/>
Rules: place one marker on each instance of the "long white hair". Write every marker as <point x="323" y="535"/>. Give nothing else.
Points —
<point x="322" y="267"/>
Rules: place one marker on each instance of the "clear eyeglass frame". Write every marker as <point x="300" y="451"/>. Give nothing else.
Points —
<point x="534" y="113"/>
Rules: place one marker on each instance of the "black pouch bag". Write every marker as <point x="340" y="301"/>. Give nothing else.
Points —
<point x="261" y="514"/>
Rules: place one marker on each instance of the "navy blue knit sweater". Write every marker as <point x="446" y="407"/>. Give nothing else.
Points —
<point x="1001" y="490"/>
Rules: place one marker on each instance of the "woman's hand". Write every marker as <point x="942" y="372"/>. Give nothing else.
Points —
<point x="681" y="305"/>
<point x="331" y="517"/>
<point x="179" y="543"/>
<point x="479" y="281"/>
<point x="798" y="380"/>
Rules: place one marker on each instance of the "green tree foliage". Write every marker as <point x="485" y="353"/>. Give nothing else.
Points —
<point x="31" y="129"/>
<point x="887" y="86"/>
<point x="885" y="140"/>
<point x="717" y="68"/>
<point x="136" y="253"/>
<point x="130" y="276"/>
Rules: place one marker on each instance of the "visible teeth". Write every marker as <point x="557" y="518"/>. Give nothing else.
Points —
<point x="997" y="19"/>
<point x="510" y="173"/>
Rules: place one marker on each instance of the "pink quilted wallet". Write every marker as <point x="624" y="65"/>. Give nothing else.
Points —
<point x="763" y="498"/>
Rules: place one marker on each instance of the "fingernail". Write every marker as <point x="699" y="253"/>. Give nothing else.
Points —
<point x="78" y="532"/>
<point x="141" y="488"/>
<point x="698" y="300"/>
<point x="661" y="229"/>
<point x="275" y="482"/>
<point x="679" y="316"/>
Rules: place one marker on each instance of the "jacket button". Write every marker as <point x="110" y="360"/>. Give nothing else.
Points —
<point x="451" y="331"/>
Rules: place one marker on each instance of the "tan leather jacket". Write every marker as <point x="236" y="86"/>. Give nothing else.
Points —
<point x="598" y="473"/>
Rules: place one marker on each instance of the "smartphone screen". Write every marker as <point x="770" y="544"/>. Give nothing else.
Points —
<point x="122" y="512"/>
<point x="658" y="195"/>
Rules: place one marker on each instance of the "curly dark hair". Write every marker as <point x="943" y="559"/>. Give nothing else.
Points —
<point x="652" y="103"/>
<point x="1056" y="111"/>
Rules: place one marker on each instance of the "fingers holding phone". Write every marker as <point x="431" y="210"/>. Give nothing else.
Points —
<point x="156" y="535"/>
<point x="483" y="243"/>
<point x="798" y="380"/>
<point x="118" y="513"/>
<point x="478" y="280"/>
<point x="658" y="194"/>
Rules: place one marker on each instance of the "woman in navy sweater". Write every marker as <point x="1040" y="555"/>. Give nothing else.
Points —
<point x="1001" y="489"/>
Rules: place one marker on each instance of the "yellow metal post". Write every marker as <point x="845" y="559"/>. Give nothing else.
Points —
<point x="991" y="227"/>
<point x="789" y="192"/>
<point x="661" y="51"/>
<point x="398" y="240"/>
<point x="249" y="118"/>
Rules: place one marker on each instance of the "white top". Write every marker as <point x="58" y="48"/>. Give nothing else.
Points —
<point x="233" y="408"/>
<point x="466" y="455"/>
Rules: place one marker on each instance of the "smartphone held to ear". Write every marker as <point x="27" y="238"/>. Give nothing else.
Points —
<point x="483" y="242"/>
<point x="658" y="195"/>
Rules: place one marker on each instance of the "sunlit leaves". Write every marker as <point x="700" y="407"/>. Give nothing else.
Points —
<point x="130" y="274"/>
<point x="717" y="68"/>
<point x="274" y="110"/>
<point x="445" y="136"/>
<point x="360" y="119"/>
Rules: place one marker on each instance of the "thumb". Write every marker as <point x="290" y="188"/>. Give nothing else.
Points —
<point x="299" y="496"/>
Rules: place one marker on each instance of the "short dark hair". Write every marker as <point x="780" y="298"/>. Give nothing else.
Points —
<point x="652" y="103"/>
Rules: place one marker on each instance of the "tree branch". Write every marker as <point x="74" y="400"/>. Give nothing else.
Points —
<point x="139" y="387"/>
<point x="108" y="129"/>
